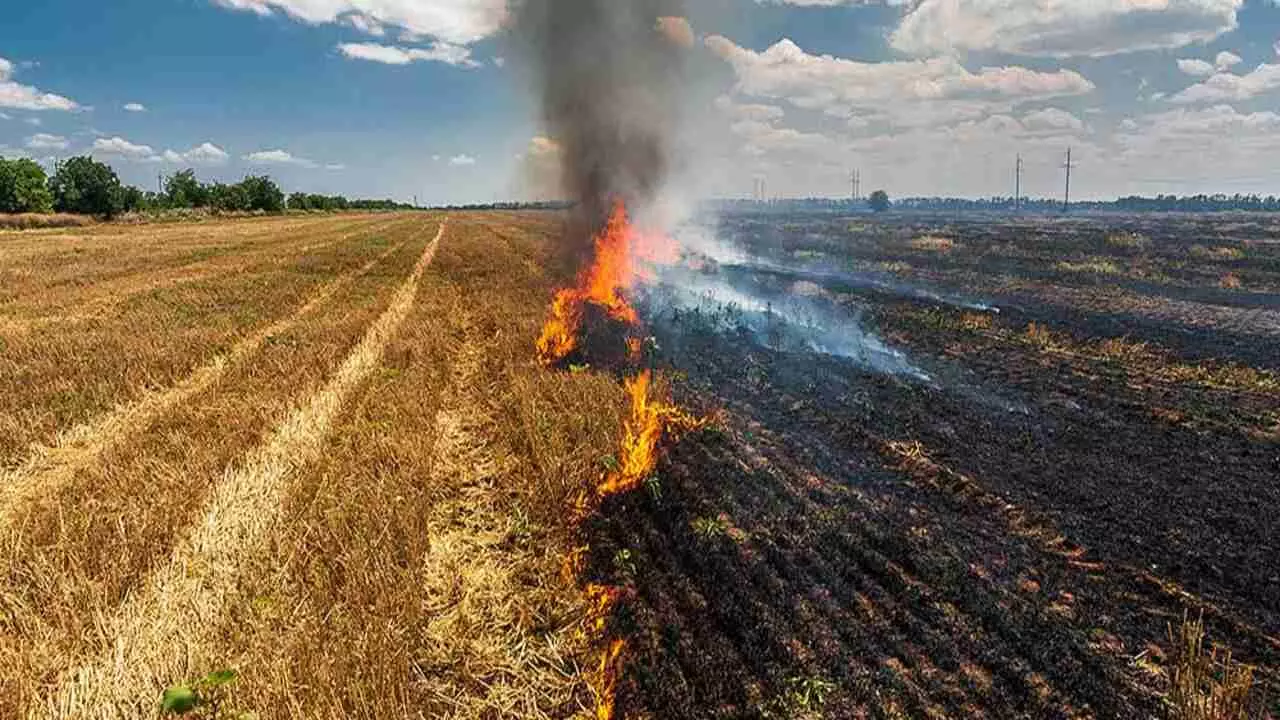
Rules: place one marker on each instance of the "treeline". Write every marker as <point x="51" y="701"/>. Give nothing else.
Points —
<point x="1159" y="203"/>
<point x="84" y="186"/>
<point x="1133" y="203"/>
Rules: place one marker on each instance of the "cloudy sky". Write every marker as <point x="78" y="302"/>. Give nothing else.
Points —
<point x="403" y="97"/>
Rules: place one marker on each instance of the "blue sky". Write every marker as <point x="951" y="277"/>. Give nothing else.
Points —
<point x="397" y="97"/>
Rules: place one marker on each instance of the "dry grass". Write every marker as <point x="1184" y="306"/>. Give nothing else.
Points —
<point x="1128" y="241"/>
<point x="82" y="547"/>
<point x="363" y="514"/>
<point x="161" y="631"/>
<point x="932" y="243"/>
<point x="58" y="375"/>
<point x="32" y="221"/>
<point x="1096" y="266"/>
<point x="1204" y="685"/>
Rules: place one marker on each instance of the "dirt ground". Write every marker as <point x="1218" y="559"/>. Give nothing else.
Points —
<point x="1011" y="537"/>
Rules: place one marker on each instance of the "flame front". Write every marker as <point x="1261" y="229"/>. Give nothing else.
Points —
<point x="622" y="258"/>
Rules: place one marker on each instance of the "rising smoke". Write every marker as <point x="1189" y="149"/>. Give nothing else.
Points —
<point x="607" y="75"/>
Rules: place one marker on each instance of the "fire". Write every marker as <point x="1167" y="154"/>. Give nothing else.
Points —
<point x="622" y="257"/>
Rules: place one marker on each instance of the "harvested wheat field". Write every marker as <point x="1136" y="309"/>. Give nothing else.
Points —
<point x="352" y="466"/>
<point x="315" y="452"/>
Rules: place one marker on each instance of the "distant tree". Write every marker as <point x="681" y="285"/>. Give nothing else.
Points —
<point x="299" y="201"/>
<point x="229" y="198"/>
<point x="24" y="187"/>
<point x="132" y="199"/>
<point x="879" y="201"/>
<point x="183" y="190"/>
<point x="84" y="185"/>
<point x="263" y="193"/>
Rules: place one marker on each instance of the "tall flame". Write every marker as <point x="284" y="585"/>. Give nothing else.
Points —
<point x="622" y="255"/>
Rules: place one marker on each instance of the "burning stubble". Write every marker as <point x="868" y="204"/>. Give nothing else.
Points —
<point x="608" y="76"/>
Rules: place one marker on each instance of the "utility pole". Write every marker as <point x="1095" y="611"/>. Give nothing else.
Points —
<point x="1017" y="185"/>
<point x="1066" y="197"/>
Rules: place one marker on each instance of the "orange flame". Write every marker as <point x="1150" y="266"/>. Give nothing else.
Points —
<point x="621" y="256"/>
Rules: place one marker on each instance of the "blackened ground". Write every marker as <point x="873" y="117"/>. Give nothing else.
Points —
<point x="1011" y="540"/>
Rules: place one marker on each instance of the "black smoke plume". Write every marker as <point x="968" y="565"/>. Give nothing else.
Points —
<point x="607" y="74"/>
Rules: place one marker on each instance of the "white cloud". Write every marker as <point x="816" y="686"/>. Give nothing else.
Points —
<point x="908" y="92"/>
<point x="1063" y="28"/>
<point x="24" y="97"/>
<point x="366" y="24"/>
<point x="1226" y="60"/>
<point x="458" y="22"/>
<point x="119" y="147"/>
<point x="748" y="111"/>
<point x="134" y="107"/>
<point x="462" y="160"/>
<point x="335" y="167"/>
<point x="45" y="141"/>
<point x="204" y="154"/>
<point x="277" y="157"/>
<point x="1195" y="67"/>
<point x="1226" y="87"/>
<point x="1052" y="120"/>
<point x="456" y="55"/>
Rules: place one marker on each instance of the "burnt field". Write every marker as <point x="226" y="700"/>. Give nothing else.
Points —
<point x="971" y="468"/>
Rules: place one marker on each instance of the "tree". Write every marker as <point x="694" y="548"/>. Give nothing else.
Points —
<point x="263" y="193"/>
<point x="183" y="190"/>
<point x="24" y="187"/>
<point x="879" y="201"/>
<point x="132" y="199"/>
<point x="299" y="201"/>
<point x="229" y="198"/>
<point x="84" y="185"/>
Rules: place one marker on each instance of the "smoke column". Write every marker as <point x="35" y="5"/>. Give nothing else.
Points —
<point x="607" y="74"/>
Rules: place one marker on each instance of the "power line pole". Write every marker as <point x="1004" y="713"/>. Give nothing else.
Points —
<point x="1066" y="197"/>
<point x="1017" y="184"/>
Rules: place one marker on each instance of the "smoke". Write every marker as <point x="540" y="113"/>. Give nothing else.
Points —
<point x="607" y="75"/>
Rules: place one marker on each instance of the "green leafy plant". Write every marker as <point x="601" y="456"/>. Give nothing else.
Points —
<point x="207" y="697"/>
<point x="709" y="528"/>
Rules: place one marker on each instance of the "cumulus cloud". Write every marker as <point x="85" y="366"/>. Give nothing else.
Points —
<point x="1227" y="87"/>
<point x="1053" y="120"/>
<point x="456" y="55"/>
<point x="909" y="92"/>
<point x="45" y="141"/>
<point x="121" y="148"/>
<point x="277" y="157"/>
<point x="1226" y="60"/>
<point x="203" y="154"/>
<point x="459" y="22"/>
<point x="134" y="107"/>
<point x="1195" y="67"/>
<point x="25" y="97"/>
<point x="462" y="160"/>
<point x="1061" y="29"/>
